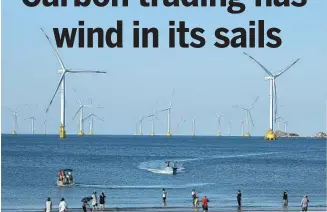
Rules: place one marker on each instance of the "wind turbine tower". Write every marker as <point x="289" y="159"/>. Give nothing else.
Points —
<point x="270" y="134"/>
<point x="15" y="119"/>
<point x="219" y="123"/>
<point x="248" y="116"/>
<point x="33" y="122"/>
<point x="169" y="114"/>
<point x="242" y="128"/>
<point x="61" y="83"/>
<point x="153" y="116"/>
<point x="193" y="127"/>
<point x="91" y="123"/>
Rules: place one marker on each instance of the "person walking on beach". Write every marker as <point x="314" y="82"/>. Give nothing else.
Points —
<point x="94" y="201"/>
<point x="102" y="201"/>
<point x="85" y="206"/>
<point x="164" y="196"/>
<point x="305" y="203"/>
<point x="239" y="198"/>
<point x="194" y="197"/>
<point x="48" y="205"/>
<point x="63" y="205"/>
<point x="205" y="205"/>
<point x="285" y="198"/>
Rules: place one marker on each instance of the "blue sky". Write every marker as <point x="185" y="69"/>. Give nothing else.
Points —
<point x="206" y="80"/>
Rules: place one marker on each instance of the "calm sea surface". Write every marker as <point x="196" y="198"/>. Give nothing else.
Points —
<point x="129" y="170"/>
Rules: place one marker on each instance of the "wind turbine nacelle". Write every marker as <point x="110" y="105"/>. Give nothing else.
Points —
<point x="60" y="71"/>
<point x="268" y="78"/>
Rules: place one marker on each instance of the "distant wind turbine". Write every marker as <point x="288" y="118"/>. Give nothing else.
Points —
<point x="63" y="71"/>
<point x="248" y="116"/>
<point x="242" y="128"/>
<point x="15" y="118"/>
<point x="270" y="135"/>
<point x="141" y="124"/>
<point x="153" y="117"/>
<point x="219" y="123"/>
<point x="229" y="128"/>
<point x="91" y="124"/>
<point x="285" y="125"/>
<point x="193" y="127"/>
<point x="81" y="115"/>
<point x="169" y="114"/>
<point x="278" y="120"/>
<point x="33" y="122"/>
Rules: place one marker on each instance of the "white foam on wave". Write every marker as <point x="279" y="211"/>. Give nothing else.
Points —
<point x="190" y="185"/>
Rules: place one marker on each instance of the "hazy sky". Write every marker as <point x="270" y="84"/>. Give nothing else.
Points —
<point x="206" y="80"/>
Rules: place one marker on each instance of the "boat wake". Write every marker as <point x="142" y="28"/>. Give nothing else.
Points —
<point x="191" y="185"/>
<point x="156" y="166"/>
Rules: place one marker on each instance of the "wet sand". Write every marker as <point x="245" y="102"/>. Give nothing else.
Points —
<point x="181" y="209"/>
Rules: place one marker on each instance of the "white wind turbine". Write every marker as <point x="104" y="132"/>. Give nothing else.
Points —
<point x="15" y="119"/>
<point x="141" y="125"/>
<point x="273" y="96"/>
<point x="91" y="124"/>
<point x="179" y="123"/>
<point x="249" y="115"/>
<point x="193" y="127"/>
<point x="63" y="71"/>
<point x="242" y="128"/>
<point x="153" y="116"/>
<point x="81" y="115"/>
<point x="219" y="123"/>
<point x="278" y="120"/>
<point x="33" y="119"/>
<point x="285" y="125"/>
<point x="169" y="114"/>
<point x="229" y="128"/>
<point x="136" y="128"/>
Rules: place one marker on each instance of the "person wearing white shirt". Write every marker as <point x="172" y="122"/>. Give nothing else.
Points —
<point x="48" y="205"/>
<point x="63" y="205"/>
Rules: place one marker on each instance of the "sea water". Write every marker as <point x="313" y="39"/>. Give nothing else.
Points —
<point x="129" y="170"/>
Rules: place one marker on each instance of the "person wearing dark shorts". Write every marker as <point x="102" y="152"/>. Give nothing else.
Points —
<point x="239" y="198"/>
<point x="164" y="196"/>
<point x="205" y="205"/>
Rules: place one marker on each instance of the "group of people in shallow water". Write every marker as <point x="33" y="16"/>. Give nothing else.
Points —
<point x="63" y="206"/>
<point x="205" y="200"/>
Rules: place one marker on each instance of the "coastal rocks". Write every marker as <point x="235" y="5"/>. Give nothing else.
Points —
<point x="286" y="135"/>
<point x="321" y="135"/>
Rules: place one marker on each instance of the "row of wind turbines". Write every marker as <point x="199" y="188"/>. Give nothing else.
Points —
<point x="246" y="122"/>
<point x="273" y="118"/>
<point x="270" y="134"/>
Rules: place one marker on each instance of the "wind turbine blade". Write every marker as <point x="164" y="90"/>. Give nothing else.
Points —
<point x="98" y="117"/>
<point x="85" y="71"/>
<point x="251" y="118"/>
<point x="25" y="105"/>
<point x="255" y="101"/>
<point x="77" y="112"/>
<point x="164" y="110"/>
<point x="11" y="110"/>
<point x="92" y="106"/>
<point x="55" y="50"/>
<point x="80" y="102"/>
<point x="287" y="68"/>
<point x="264" y="68"/>
<point x="59" y="83"/>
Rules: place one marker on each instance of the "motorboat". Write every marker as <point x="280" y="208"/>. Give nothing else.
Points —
<point x="67" y="179"/>
<point x="171" y="168"/>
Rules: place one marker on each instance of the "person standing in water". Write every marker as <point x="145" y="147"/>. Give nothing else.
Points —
<point x="48" y="205"/>
<point x="305" y="203"/>
<point x="102" y="201"/>
<point x="94" y="201"/>
<point x="164" y="196"/>
<point x="285" y="198"/>
<point x="63" y="205"/>
<point x="205" y="205"/>
<point x="194" y="197"/>
<point x="85" y="206"/>
<point x="239" y="198"/>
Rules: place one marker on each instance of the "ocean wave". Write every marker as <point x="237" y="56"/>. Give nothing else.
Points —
<point x="190" y="185"/>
